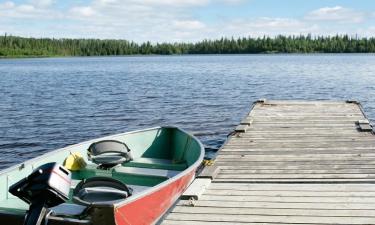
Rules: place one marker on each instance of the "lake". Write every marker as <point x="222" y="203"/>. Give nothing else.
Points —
<point x="49" y="103"/>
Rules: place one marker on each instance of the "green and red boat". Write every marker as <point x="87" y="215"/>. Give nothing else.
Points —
<point x="109" y="184"/>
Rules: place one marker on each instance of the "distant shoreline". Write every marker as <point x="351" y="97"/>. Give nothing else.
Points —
<point x="20" y="47"/>
<point x="181" y="55"/>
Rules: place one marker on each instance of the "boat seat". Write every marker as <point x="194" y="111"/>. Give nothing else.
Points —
<point x="154" y="163"/>
<point x="68" y="209"/>
<point x="147" y="171"/>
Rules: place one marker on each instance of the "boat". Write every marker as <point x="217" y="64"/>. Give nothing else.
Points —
<point x="159" y="165"/>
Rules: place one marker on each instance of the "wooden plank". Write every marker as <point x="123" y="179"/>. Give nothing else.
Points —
<point x="302" y="168"/>
<point x="209" y="172"/>
<point x="302" y="102"/>
<point x="297" y="176"/>
<point x="275" y="212"/>
<point x="247" y="121"/>
<point x="280" y="205"/>
<point x="266" y="157"/>
<point x="196" y="189"/>
<point x="241" y="128"/>
<point x="297" y="148"/>
<point x="295" y="163"/>
<point x="317" y="158"/>
<point x="320" y="199"/>
<point x="288" y="193"/>
<point x="365" y="127"/>
<point x="296" y="187"/>
<point x="301" y="144"/>
<point x="297" y="181"/>
<point x="270" y="219"/>
<point x="189" y="222"/>
<point x="295" y="152"/>
<point x="238" y="171"/>
<point x="297" y="167"/>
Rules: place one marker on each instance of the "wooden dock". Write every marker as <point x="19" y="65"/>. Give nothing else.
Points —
<point x="289" y="162"/>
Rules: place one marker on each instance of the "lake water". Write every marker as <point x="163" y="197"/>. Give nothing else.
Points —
<point x="49" y="103"/>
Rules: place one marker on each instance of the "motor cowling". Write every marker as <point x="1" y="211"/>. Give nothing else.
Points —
<point x="47" y="186"/>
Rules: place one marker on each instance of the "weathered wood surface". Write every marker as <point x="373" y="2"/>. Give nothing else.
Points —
<point x="297" y="163"/>
<point x="196" y="189"/>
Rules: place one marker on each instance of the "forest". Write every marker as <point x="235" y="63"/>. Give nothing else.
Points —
<point x="13" y="46"/>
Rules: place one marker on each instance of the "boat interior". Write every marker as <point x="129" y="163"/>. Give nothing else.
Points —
<point x="158" y="154"/>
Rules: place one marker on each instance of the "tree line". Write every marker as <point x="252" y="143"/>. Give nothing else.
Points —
<point x="13" y="46"/>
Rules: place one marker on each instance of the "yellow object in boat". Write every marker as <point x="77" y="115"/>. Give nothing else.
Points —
<point x="74" y="161"/>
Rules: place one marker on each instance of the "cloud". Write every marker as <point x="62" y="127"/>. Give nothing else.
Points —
<point x="153" y="3"/>
<point x="175" y="3"/>
<point x="7" y="5"/>
<point x="258" y="27"/>
<point x="367" y="32"/>
<point x="10" y="10"/>
<point x="26" y="8"/>
<point x="233" y="2"/>
<point x="336" y="14"/>
<point x="82" y="11"/>
<point x="188" y="24"/>
<point x="42" y="3"/>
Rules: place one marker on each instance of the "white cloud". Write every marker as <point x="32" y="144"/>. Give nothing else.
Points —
<point x="336" y="14"/>
<point x="153" y="3"/>
<point x="233" y="2"/>
<point x="258" y="27"/>
<point x="42" y="3"/>
<point x="175" y="3"/>
<point x="367" y="32"/>
<point x="10" y="10"/>
<point x="276" y="23"/>
<point x="7" y="5"/>
<point x="188" y="24"/>
<point x="82" y="11"/>
<point x="26" y="8"/>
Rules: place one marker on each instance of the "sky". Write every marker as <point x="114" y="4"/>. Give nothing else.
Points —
<point x="185" y="20"/>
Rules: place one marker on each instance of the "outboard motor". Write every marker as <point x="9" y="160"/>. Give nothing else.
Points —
<point x="47" y="186"/>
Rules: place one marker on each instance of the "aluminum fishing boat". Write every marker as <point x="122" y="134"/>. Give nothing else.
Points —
<point x="129" y="178"/>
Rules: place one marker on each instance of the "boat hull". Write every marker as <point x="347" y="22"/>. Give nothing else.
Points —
<point x="149" y="209"/>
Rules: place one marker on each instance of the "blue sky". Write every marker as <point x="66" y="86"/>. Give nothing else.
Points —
<point x="185" y="20"/>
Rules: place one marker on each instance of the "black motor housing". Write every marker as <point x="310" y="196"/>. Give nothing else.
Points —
<point x="47" y="186"/>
